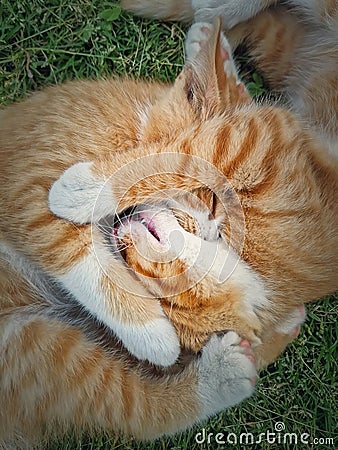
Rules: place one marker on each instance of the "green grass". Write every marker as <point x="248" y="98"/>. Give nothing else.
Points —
<point x="48" y="41"/>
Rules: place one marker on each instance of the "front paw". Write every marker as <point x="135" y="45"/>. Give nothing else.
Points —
<point x="197" y="34"/>
<point x="73" y="196"/>
<point x="227" y="373"/>
<point x="155" y="341"/>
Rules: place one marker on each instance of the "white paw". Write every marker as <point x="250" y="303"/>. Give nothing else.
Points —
<point x="197" y="35"/>
<point x="155" y="341"/>
<point x="229" y="10"/>
<point x="291" y="325"/>
<point x="74" y="194"/>
<point x="226" y="373"/>
<point x="232" y="12"/>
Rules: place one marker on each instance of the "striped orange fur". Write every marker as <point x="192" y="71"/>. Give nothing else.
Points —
<point x="63" y="370"/>
<point x="252" y="147"/>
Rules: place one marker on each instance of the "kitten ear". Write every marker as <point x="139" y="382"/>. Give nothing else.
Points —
<point x="209" y="79"/>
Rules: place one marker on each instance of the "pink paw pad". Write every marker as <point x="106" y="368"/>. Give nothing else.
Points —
<point x="246" y="344"/>
<point x="206" y="30"/>
<point x="224" y="54"/>
<point x="302" y="313"/>
<point x="295" y="332"/>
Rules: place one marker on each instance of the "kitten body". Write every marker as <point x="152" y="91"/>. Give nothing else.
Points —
<point x="61" y="373"/>
<point x="60" y="368"/>
<point x="267" y="155"/>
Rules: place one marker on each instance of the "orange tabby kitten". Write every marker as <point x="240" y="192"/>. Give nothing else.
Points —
<point x="71" y="371"/>
<point x="268" y="156"/>
<point x="61" y="372"/>
<point x="281" y="44"/>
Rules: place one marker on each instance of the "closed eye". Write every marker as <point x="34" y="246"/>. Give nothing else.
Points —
<point x="214" y="200"/>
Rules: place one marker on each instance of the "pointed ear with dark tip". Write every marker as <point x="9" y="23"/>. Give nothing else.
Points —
<point x="208" y="86"/>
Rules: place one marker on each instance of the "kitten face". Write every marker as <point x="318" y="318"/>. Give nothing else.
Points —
<point x="177" y="251"/>
<point x="189" y="213"/>
<point x="165" y="238"/>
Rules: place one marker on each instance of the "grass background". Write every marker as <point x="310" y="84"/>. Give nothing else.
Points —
<point x="48" y="41"/>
